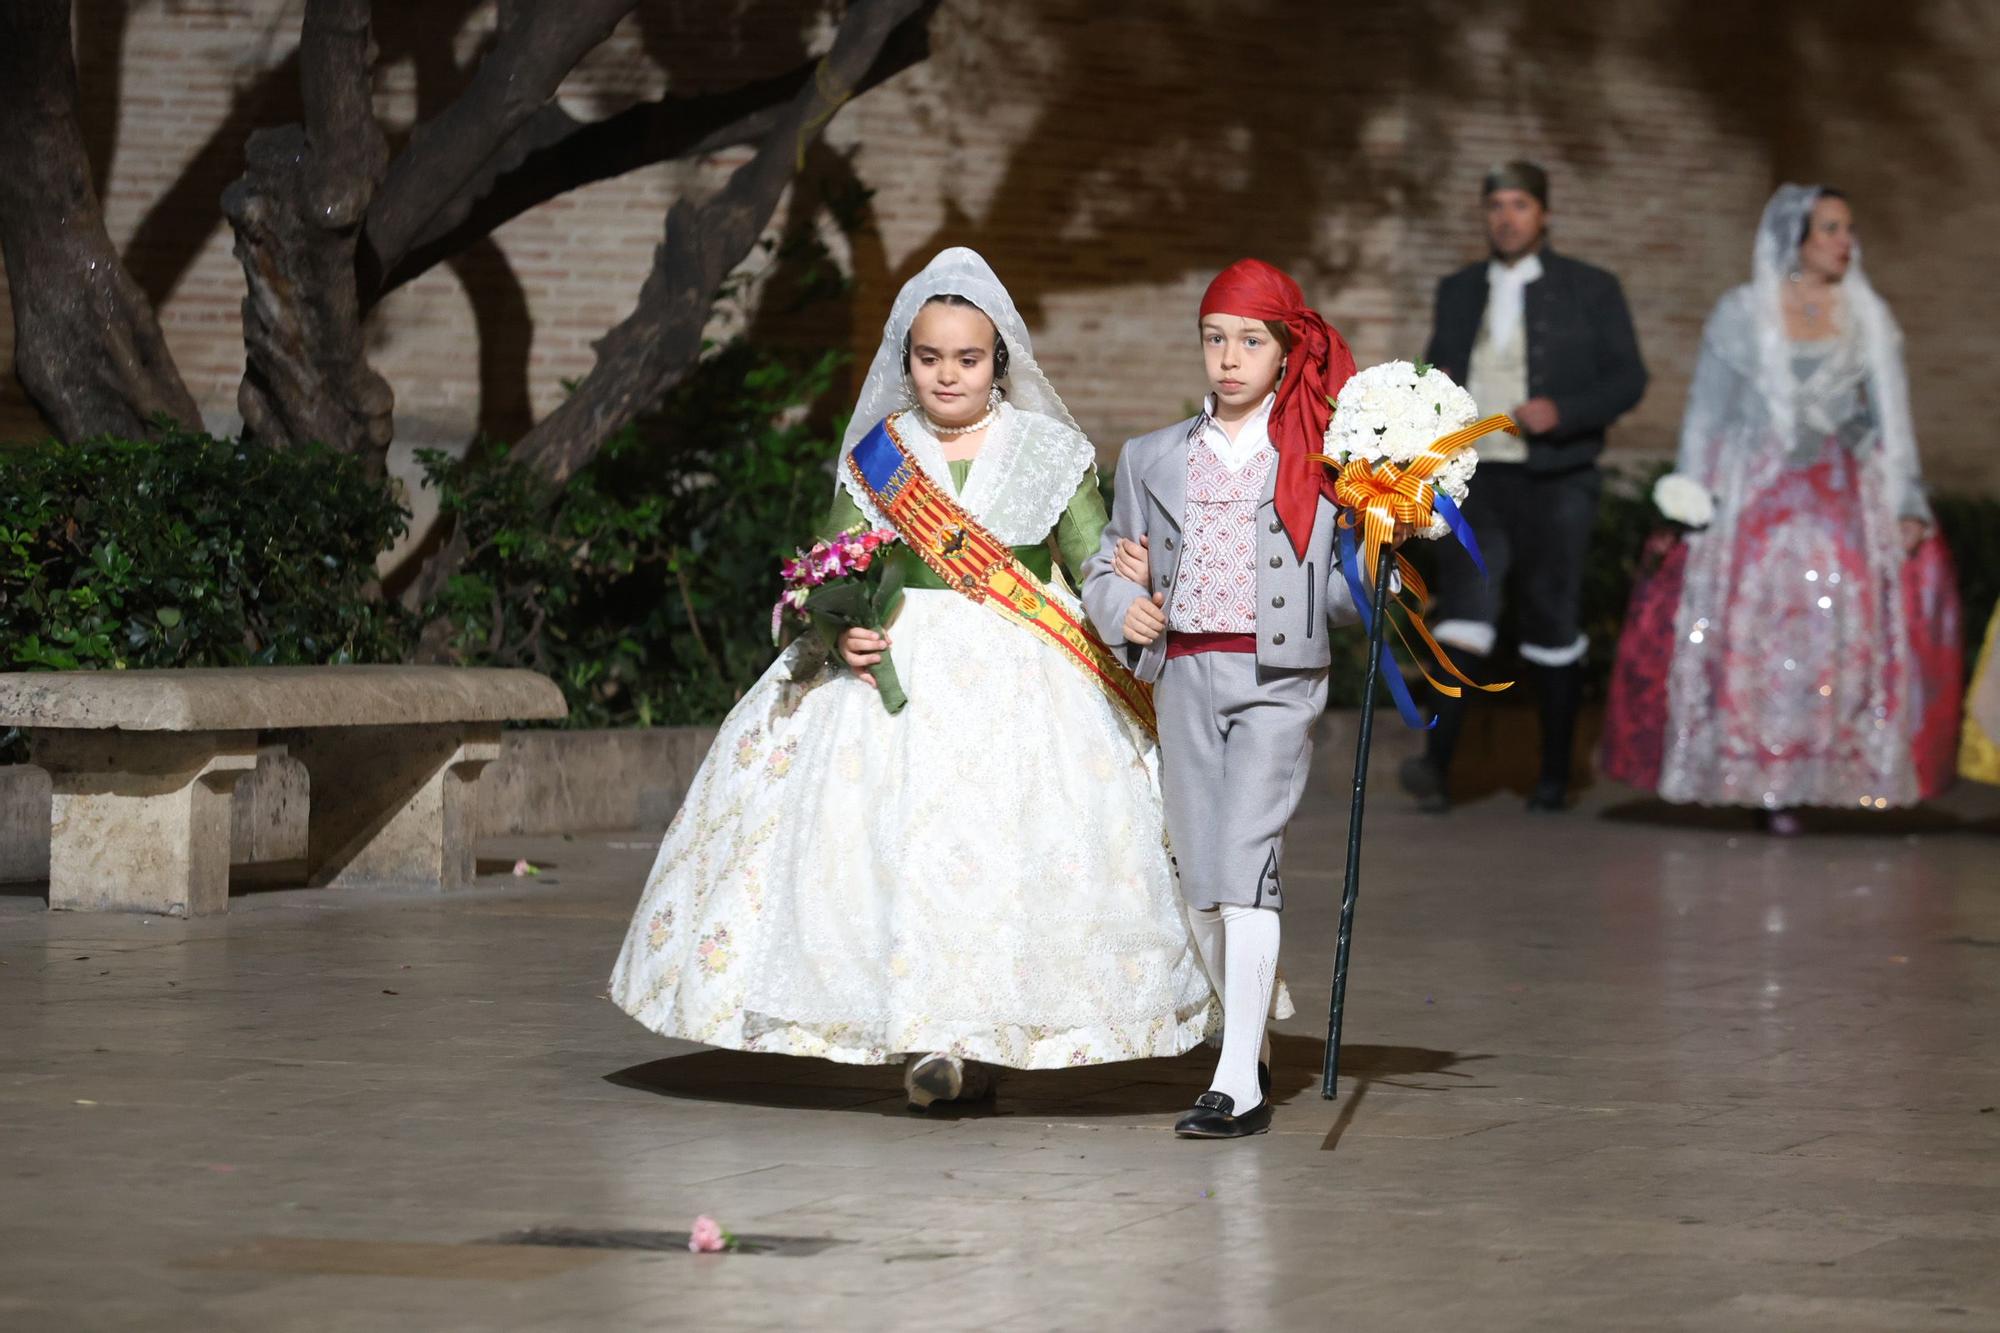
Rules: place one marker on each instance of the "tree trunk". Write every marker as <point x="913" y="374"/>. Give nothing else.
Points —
<point x="87" y="345"/>
<point x="297" y="212"/>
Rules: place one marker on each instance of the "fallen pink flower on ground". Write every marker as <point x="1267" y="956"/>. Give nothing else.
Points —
<point x="707" y="1237"/>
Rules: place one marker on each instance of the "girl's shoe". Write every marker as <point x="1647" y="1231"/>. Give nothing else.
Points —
<point x="938" y="1077"/>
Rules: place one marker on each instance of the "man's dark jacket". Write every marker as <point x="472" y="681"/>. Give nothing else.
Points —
<point x="1582" y="351"/>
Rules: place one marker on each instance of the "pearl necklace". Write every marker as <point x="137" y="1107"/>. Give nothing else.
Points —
<point x="946" y="432"/>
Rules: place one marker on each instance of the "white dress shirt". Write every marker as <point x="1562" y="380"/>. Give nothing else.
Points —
<point x="1252" y="435"/>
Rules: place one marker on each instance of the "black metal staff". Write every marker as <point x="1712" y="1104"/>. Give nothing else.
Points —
<point x="1330" y="1069"/>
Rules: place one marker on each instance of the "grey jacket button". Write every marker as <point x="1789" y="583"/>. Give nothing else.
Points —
<point x="1276" y="526"/>
<point x="1170" y="543"/>
<point x="1278" y="602"/>
<point x="1278" y="639"/>
<point x="1277" y="562"/>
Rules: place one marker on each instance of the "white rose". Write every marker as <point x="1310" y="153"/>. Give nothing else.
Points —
<point x="1683" y="500"/>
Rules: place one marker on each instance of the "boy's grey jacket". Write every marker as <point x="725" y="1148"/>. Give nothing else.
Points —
<point x="1297" y="600"/>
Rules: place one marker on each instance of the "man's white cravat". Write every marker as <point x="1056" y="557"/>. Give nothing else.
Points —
<point x="1506" y="296"/>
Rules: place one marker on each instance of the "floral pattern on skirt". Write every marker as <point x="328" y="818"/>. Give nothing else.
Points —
<point x="1809" y="701"/>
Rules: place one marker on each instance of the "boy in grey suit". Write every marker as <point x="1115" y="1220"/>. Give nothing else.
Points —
<point x="1217" y="581"/>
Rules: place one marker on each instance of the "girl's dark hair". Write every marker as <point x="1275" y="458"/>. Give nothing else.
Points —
<point x="1826" y="192"/>
<point x="999" y="342"/>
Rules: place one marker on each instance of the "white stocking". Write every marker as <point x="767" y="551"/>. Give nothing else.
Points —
<point x="1205" y="924"/>
<point x="1250" y="972"/>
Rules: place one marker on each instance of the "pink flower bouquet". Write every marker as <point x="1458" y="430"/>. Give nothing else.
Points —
<point x="838" y="584"/>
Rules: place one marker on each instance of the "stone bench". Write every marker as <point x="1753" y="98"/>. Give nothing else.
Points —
<point x="141" y="764"/>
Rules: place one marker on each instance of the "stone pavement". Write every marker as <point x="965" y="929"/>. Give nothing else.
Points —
<point x="1612" y="1070"/>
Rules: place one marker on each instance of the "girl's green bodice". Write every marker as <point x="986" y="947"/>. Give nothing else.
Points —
<point x="1076" y="533"/>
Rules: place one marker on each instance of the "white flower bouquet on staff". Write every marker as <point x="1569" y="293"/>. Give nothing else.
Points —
<point x="1400" y="447"/>
<point x="1396" y="418"/>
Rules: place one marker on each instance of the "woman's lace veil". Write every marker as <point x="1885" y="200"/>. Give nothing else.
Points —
<point x="954" y="272"/>
<point x="1775" y="259"/>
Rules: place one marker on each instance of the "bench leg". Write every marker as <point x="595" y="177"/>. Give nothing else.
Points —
<point x="393" y="806"/>
<point x="139" y="821"/>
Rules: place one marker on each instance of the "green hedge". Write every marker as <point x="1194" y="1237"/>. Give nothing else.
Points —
<point x="191" y="551"/>
<point x="644" y="585"/>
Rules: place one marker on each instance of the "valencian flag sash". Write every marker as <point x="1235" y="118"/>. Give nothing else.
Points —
<point x="972" y="561"/>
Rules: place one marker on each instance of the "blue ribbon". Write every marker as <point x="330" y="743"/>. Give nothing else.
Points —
<point x="1364" y="601"/>
<point x="1454" y="518"/>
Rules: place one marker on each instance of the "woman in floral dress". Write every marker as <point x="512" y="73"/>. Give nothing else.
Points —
<point x="1801" y="649"/>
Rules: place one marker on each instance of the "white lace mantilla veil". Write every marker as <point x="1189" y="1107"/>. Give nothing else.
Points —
<point x="1029" y="467"/>
<point x="1747" y="334"/>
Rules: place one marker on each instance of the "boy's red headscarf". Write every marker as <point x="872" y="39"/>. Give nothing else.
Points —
<point x="1318" y="364"/>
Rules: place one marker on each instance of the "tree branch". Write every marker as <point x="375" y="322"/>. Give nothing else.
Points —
<point x="536" y="50"/>
<point x="552" y="153"/>
<point x="647" y="353"/>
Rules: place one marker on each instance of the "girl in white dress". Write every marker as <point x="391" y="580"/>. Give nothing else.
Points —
<point x="982" y="876"/>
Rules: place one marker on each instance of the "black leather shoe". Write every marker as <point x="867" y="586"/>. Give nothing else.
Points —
<point x="1549" y="797"/>
<point x="1214" y="1117"/>
<point x="1424" y="780"/>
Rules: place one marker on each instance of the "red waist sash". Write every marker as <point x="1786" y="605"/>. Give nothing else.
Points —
<point x="1187" y="645"/>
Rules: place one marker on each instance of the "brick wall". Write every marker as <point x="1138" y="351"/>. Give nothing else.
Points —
<point x="1109" y="157"/>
